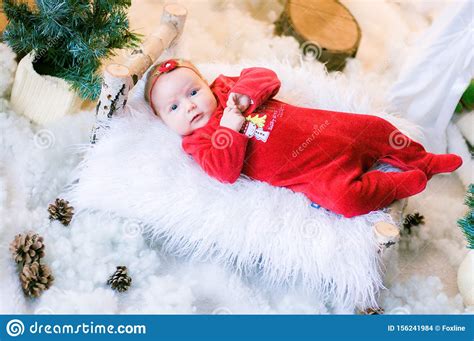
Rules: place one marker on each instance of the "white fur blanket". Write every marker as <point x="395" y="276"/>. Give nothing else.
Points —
<point x="139" y="171"/>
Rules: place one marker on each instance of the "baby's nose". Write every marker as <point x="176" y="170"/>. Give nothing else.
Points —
<point x="191" y="106"/>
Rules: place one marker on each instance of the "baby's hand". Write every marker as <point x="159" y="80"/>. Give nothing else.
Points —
<point x="242" y="102"/>
<point x="232" y="118"/>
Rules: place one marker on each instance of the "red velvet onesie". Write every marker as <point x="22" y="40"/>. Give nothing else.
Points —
<point x="324" y="154"/>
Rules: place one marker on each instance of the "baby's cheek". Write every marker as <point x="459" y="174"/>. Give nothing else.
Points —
<point x="186" y="131"/>
<point x="211" y="103"/>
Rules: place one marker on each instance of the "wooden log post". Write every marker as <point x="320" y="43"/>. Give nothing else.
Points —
<point x="118" y="79"/>
<point x="325" y="29"/>
<point x="386" y="235"/>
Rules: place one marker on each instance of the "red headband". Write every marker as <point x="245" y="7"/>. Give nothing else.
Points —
<point x="165" y="67"/>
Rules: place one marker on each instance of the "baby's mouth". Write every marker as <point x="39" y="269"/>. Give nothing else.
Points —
<point x="196" y="117"/>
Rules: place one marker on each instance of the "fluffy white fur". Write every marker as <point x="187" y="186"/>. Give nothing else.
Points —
<point x="139" y="171"/>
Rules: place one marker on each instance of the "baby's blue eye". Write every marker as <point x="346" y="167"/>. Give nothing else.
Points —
<point x="194" y="92"/>
<point x="174" y="107"/>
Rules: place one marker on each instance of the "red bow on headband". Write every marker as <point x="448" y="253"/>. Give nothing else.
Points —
<point x="167" y="66"/>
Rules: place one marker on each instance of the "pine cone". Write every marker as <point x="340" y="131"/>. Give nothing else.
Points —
<point x="418" y="219"/>
<point x="35" y="278"/>
<point x="120" y="281"/>
<point x="412" y="219"/>
<point x="373" y="311"/>
<point x="61" y="210"/>
<point x="27" y="248"/>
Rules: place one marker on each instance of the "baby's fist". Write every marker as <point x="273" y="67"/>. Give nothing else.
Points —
<point x="242" y="102"/>
<point x="232" y="118"/>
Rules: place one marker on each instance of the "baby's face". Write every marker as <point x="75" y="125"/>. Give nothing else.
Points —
<point x="183" y="100"/>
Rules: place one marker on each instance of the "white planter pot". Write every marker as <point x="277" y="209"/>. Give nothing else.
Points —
<point x="466" y="279"/>
<point x="41" y="98"/>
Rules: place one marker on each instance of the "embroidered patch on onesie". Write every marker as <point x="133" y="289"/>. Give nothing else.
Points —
<point x="254" y="127"/>
<point x="255" y="124"/>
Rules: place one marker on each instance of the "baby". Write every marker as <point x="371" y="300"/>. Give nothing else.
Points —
<point x="235" y="126"/>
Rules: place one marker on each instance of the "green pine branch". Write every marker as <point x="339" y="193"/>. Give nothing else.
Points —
<point x="70" y="38"/>
<point x="467" y="223"/>
<point x="17" y="12"/>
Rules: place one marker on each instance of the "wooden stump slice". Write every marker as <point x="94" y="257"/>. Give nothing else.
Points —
<point x="386" y="234"/>
<point x="325" y="29"/>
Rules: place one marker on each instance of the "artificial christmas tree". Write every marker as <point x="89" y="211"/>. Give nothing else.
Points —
<point x="467" y="223"/>
<point x="67" y="40"/>
<point x="465" y="118"/>
<point x="465" y="275"/>
<point x="467" y="99"/>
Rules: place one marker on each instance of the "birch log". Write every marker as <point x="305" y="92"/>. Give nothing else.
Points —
<point x="386" y="234"/>
<point x="118" y="79"/>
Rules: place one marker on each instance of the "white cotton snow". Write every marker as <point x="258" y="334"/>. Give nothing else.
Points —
<point x="7" y="69"/>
